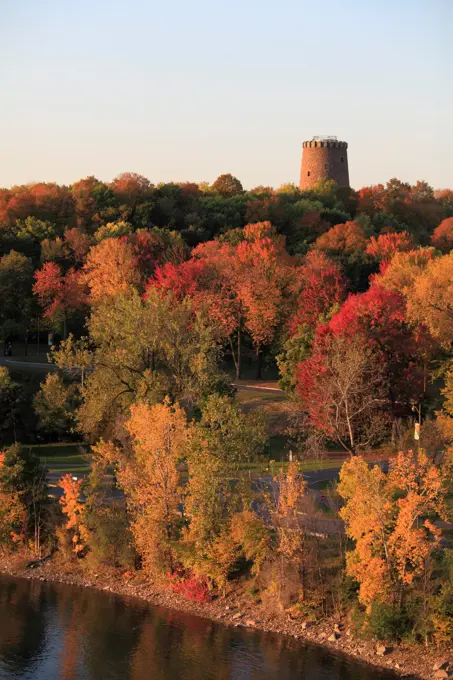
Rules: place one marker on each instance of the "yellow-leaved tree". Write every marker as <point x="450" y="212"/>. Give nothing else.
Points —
<point x="430" y="298"/>
<point x="148" y="473"/>
<point x="390" y="517"/>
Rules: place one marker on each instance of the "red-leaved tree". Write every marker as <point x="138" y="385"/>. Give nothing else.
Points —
<point x="59" y="294"/>
<point x="379" y="315"/>
<point x="442" y="237"/>
<point x="320" y="285"/>
<point x="384" y="247"/>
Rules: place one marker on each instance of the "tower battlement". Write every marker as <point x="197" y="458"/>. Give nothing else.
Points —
<point x="323" y="142"/>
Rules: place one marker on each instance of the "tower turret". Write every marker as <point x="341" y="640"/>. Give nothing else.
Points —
<point x="324" y="158"/>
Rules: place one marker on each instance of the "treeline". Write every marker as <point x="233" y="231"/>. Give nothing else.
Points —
<point x="47" y="223"/>
<point x="348" y="293"/>
<point x="192" y="521"/>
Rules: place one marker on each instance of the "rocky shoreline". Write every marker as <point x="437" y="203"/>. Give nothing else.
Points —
<point x="238" y="609"/>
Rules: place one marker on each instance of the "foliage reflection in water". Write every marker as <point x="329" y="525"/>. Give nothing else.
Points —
<point x="52" y="631"/>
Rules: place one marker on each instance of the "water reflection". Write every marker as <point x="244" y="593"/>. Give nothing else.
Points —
<point x="51" y="631"/>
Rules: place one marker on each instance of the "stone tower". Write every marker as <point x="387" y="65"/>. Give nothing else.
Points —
<point x="324" y="158"/>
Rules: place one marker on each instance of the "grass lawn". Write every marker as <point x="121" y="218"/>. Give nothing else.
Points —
<point x="71" y="469"/>
<point x="69" y="456"/>
<point x="61" y="457"/>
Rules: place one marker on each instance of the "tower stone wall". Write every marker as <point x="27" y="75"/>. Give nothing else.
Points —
<point x="324" y="159"/>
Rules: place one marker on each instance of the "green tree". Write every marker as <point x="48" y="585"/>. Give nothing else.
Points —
<point x="17" y="305"/>
<point x="10" y="396"/>
<point x="110" y="539"/>
<point x="228" y="185"/>
<point x="113" y="230"/>
<point x="55" y="405"/>
<point x="145" y="350"/>
<point x="295" y="350"/>
<point x="37" y="230"/>
<point x="224" y="438"/>
<point x="74" y="357"/>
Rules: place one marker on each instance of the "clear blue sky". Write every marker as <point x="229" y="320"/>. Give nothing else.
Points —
<point x="187" y="89"/>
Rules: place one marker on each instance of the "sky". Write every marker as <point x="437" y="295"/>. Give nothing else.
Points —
<point x="184" y="90"/>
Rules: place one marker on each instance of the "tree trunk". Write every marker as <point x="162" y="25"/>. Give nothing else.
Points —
<point x="258" y="364"/>
<point x="236" y="355"/>
<point x="351" y="434"/>
<point x="238" y="362"/>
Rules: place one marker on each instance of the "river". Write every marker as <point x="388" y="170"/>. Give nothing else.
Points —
<point x="50" y="631"/>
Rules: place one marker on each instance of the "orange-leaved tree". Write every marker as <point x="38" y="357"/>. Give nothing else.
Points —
<point x="111" y="267"/>
<point x="388" y="519"/>
<point x="149" y="476"/>
<point x="12" y="513"/>
<point x="420" y="490"/>
<point x="289" y="505"/>
<point x="262" y="273"/>
<point x="442" y="237"/>
<point x="384" y="247"/>
<point x="347" y="238"/>
<point x="73" y="507"/>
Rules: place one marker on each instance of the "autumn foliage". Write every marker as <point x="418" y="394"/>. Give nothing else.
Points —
<point x="151" y="481"/>
<point x="344" y="238"/>
<point x="73" y="507"/>
<point x="386" y="245"/>
<point x="387" y="518"/>
<point x="442" y="237"/>
<point x="320" y="286"/>
<point x="59" y="293"/>
<point x="110" y="268"/>
<point x="12" y="513"/>
<point x="170" y="290"/>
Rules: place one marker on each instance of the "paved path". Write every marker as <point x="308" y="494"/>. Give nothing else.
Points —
<point x="269" y="387"/>
<point x="37" y="366"/>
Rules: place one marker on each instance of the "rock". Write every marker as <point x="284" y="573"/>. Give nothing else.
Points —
<point x="305" y="625"/>
<point x="381" y="650"/>
<point x="250" y="622"/>
<point x="441" y="665"/>
<point x="440" y="674"/>
<point x="238" y="615"/>
<point x="334" y="636"/>
<point x="336" y="628"/>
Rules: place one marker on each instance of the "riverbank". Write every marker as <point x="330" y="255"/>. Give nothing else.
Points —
<point x="238" y="609"/>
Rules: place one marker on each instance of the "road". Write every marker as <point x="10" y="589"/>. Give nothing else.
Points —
<point x="269" y="386"/>
<point x="33" y="366"/>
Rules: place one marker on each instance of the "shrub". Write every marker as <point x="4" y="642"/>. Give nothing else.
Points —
<point x="189" y="586"/>
<point x="111" y="540"/>
<point x="389" y="623"/>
